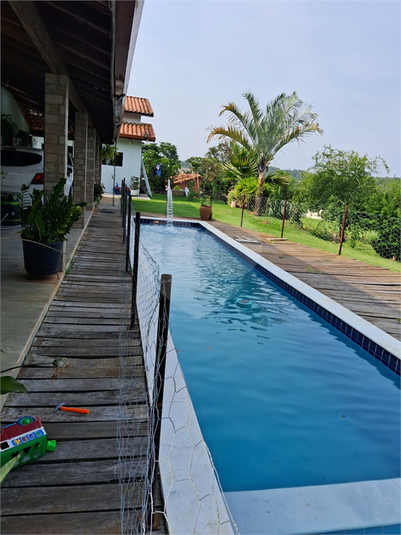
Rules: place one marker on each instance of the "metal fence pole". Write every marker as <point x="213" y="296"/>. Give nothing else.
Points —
<point x="282" y="224"/>
<point x="343" y="230"/>
<point x="122" y="196"/>
<point x="121" y="199"/>
<point x="160" y="368"/>
<point x="135" y="268"/>
<point x="127" y="254"/>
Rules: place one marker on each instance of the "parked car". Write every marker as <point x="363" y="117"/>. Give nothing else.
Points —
<point x="23" y="165"/>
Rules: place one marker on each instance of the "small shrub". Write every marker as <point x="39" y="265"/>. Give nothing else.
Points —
<point x="98" y="190"/>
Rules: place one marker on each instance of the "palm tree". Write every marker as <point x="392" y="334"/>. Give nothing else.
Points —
<point x="285" y="119"/>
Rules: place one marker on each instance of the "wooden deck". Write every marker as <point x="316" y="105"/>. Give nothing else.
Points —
<point x="371" y="292"/>
<point x="75" y="489"/>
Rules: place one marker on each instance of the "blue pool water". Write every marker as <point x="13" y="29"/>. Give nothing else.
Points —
<point x="283" y="398"/>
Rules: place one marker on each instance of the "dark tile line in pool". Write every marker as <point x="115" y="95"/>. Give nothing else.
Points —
<point x="366" y="343"/>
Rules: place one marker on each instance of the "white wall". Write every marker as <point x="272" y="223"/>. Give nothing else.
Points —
<point x="10" y="107"/>
<point x="132" y="152"/>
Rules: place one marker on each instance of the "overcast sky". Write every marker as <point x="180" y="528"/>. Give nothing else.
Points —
<point x="343" y="57"/>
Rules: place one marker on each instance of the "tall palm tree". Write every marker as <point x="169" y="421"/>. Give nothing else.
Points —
<point x="285" y="119"/>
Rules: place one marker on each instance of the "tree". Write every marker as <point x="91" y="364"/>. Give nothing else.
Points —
<point x="340" y="179"/>
<point x="165" y="157"/>
<point x="285" y="119"/>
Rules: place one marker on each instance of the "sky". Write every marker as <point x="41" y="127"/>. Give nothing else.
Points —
<point x="341" y="56"/>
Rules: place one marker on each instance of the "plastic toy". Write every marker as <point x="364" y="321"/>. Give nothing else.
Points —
<point x="26" y="436"/>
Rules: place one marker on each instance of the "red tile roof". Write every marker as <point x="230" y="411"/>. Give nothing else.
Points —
<point x="183" y="179"/>
<point x="138" y="105"/>
<point x="142" y="131"/>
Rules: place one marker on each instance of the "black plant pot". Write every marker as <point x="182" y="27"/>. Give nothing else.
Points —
<point x="42" y="258"/>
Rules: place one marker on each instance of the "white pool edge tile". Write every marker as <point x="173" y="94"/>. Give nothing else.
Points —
<point x="194" y="501"/>
<point x="317" y="509"/>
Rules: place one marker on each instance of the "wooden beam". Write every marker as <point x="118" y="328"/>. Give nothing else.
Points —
<point x="34" y="26"/>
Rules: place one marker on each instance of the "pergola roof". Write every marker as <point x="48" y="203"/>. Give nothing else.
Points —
<point x="91" y="42"/>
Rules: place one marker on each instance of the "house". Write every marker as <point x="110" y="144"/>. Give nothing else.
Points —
<point x="132" y="133"/>
<point x="186" y="180"/>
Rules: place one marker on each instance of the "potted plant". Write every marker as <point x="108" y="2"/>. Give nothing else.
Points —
<point x="205" y="209"/>
<point x="177" y="190"/>
<point x="46" y="223"/>
<point x="135" y="181"/>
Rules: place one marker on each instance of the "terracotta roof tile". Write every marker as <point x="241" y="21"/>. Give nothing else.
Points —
<point x="138" y="105"/>
<point x="138" y="131"/>
<point x="36" y="121"/>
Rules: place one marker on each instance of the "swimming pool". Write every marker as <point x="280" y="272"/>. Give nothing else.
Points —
<point x="283" y="398"/>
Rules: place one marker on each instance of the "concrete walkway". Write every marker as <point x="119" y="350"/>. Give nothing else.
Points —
<point x="25" y="301"/>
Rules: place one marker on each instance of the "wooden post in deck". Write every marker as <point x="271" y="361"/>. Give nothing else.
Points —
<point x="242" y="211"/>
<point x="160" y="369"/>
<point x="343" y="230"/>
<point x="282" y="224"/>
<point x="127" y="254"/>
<point x="135" y="268"/>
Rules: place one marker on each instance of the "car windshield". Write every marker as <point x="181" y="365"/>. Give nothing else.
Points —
<point x="14" y="158"/>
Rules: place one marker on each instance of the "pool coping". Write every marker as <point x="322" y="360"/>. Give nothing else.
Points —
<point x="307" y="503"/>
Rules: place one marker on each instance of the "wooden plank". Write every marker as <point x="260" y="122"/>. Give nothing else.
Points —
<point x="39" y="500"/>
<point x="87" y="313"/>
<point x="100" y="414"/>
<point x="82" y="332"/>
<point x="82" y="364"/>
<point x="71" y="385"/>
<point x="59" y="305"/>
<point x="94" y="342"/>
<point x="79" y="320"/>
<point x="86" y="472"/>
<point x="85" y="351"/>
<point x="88" y="449"/>
<point x="93" y="430"/>
<point x="74" y="372"/>
<point x="102" y="523"/>
<point x="137" y="394"/>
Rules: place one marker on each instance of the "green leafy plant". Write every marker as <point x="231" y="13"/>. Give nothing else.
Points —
<point x="5" y="469"/>
<point x="48" y="219"/>
<point x="98" y="190"/>
<point x="135" y="181"/>
<point x="10" y="384"/>
<point x="9" y="129"/>
<point x="108" y="152"/>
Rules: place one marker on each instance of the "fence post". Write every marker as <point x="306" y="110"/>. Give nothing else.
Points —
<point x="122" y="196"/>
<point x="135" y="267"/>
<point x="282" y="224"/>
<point x="121" y="199"/>
<point x="242" y="211"/>
<point x="160" y="368"/>
<point x="342" y="230"/>
<point x="127" y="258"/>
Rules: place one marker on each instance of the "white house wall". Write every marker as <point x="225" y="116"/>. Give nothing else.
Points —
<point x="132" y="152"/>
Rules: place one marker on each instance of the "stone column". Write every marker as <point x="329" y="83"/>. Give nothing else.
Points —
<point x="80" y="160"/>
<point x="90" y="175"/>
<point x="56" y="129"/>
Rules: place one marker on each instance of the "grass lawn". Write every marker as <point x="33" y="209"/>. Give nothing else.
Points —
<point x="182" y="207"/>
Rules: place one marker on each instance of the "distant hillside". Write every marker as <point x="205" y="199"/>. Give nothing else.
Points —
<point x="296" y="173"/>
